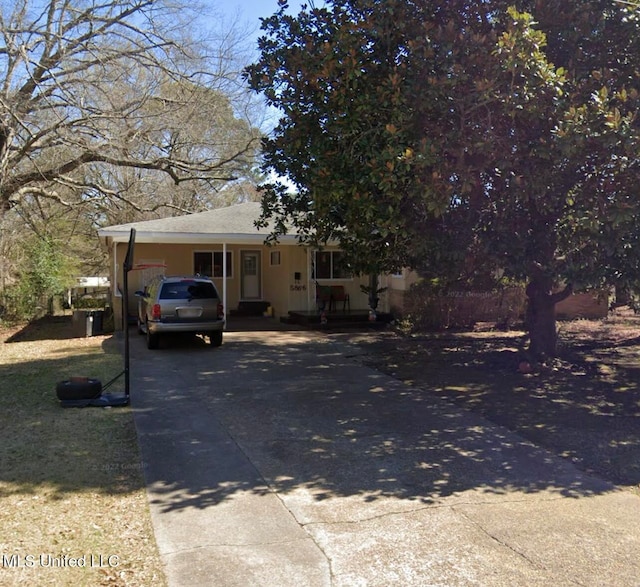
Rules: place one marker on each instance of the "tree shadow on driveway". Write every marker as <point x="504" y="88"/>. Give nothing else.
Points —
<point x="585" y="408"/>
<point x="302" y="415"/>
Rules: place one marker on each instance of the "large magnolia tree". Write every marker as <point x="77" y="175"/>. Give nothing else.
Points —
<point x="89" y="88"/>
<point x="462" y="138"/>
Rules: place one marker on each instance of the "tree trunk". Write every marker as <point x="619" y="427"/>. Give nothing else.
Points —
<point x="540" y="320"/>
<point x="373" y="291"/>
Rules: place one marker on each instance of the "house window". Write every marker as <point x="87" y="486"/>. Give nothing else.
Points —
<point x="217" y="264"/>
<point x="210" y="263"/>
<point x="330" y="265"/>
<point x="274" y="258"/>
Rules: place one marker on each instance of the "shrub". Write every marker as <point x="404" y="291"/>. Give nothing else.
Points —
<point x="89" y="303"/>
<point x="427" y="308"/>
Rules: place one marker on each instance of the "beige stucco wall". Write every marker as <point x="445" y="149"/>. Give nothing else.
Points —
<point x="278" y="282"/>
<point x="288" y="294"/>
<point x="397" y="287"/>
<point x="280" y="286"/>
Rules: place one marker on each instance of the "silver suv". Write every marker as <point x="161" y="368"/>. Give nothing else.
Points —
<point x="180" y="304"/>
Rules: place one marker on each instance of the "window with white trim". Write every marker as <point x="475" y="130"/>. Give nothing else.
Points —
<point x="209" y="263"/>
<point x="330" y="265"/>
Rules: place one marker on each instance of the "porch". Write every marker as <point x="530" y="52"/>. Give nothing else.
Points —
<point x="337" y="319"/>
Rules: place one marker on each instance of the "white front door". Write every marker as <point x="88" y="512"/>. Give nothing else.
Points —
<point x="251" y="278"/>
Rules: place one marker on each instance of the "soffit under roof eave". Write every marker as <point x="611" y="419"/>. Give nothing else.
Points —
<point x="191" y="238"/>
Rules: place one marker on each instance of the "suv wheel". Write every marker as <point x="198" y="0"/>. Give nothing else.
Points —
<point x="215" y="338"/>
<point x="152" y="339"/>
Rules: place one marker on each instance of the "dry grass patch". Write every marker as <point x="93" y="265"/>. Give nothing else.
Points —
<point x="74" y="507"/>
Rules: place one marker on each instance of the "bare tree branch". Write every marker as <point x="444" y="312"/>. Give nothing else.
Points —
<point x="85" y="88"/>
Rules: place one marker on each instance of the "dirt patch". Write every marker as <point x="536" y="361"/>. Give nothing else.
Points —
<point x="584" y="407"/>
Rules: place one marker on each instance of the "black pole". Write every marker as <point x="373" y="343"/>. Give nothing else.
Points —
<point x="125" y="312"/>
<point x="126" y="267"/>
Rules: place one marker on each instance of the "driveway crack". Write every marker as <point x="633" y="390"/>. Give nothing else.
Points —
<point x="506" y="545"/>
<point x="303" y="527"/>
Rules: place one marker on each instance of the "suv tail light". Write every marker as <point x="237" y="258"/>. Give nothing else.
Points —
<point x="156" y="312"/>
<point x="220" y="312"/>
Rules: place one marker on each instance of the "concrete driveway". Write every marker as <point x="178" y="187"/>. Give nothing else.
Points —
<point x="280" y="459"/>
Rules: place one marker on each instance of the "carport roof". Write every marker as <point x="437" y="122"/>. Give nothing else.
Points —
<point x="232" y="224"/>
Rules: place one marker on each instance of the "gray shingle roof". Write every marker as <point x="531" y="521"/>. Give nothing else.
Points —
<point x="230" y="224"/>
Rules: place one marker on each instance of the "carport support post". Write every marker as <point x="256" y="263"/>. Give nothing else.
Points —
<point x="224" y="283"/>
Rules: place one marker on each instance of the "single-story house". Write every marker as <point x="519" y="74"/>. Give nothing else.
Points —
<point x="225" y="244"/>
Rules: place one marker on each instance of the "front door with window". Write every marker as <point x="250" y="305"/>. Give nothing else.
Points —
<point x="251" y="278"/>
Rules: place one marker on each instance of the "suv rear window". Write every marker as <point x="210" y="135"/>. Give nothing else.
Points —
<point x="188" y="289"/>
